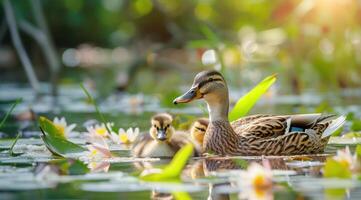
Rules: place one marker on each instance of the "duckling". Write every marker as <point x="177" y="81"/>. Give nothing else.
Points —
<point x="258" y="134"/>
<point x="197" y="132"/>
<point x="162" y="140"/>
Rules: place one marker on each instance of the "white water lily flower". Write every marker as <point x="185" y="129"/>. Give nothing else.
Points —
<point x="98" y="149"/>
<point x="62" y="126"/>
<point x="125" y="137"/>
<point x="100" y="130"/>
<point x="99" y="166"/>
<point x="345" y="157"/>
<point x="256" y="182"/>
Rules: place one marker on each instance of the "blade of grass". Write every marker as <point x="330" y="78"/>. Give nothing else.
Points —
<point x="92" y="101"/>
<point x="10" y="111"/>
<point x="245" y="104"/>
<point x="11" y="151"/>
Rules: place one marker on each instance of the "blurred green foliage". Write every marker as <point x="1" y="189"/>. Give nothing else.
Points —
<point x="312" y="44"/>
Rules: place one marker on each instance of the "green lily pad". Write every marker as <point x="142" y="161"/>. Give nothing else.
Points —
<point x="57" y="144"/>
<point x="245" y="104"/>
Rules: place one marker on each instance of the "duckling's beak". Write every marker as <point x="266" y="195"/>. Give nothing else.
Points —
<point x="187" y="97"/>
<point x="161" y="135"/>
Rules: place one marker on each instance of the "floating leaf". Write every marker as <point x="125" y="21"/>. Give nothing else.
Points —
<point x="245" y="104"/>
<point x="9" y="112"/>
<point x="173" y="170"/>
<point x="334" y="169"/>
<point x="55" y="141"/>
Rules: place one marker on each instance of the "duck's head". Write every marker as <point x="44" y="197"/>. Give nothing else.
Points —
<point x="209" y="85"/>
<point x="161" y="129"/>
<point x="198" y="129"/>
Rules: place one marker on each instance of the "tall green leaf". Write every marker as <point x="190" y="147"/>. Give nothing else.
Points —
<point x="173" y="170"/>
<point x="55" y="141"/>
<point x="245" y="104"/>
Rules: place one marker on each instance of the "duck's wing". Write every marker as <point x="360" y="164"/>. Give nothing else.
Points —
<point x="245" y="120"/>
<point x="268" y="126"/>
<point x="292" y="134"/>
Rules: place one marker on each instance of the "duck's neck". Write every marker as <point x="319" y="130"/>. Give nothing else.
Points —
<point x="218" y="105"/>
<point x="220" y="137"/>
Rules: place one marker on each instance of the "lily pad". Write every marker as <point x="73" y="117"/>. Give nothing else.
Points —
<point x="55" y="141"/>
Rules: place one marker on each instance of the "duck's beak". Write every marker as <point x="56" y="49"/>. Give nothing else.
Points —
<point x="161" y="135"/>
<point x="187" y="97"/>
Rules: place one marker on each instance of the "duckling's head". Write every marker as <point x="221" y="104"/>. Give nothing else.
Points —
<point x="209" y="85"/>
<point x="198" y="129"/>
<point x="162" y="129"/>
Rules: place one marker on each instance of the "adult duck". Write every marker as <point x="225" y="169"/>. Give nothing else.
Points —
<point x="257" y="134"/>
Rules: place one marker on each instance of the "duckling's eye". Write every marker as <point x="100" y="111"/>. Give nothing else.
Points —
<point x="201" y="129"/>
<point x="210" y="79"/>
<point x="167" y="126"/>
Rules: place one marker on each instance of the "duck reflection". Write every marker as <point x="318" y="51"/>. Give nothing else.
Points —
<point x="161" y="195"/>
<point x="253" y="182"/>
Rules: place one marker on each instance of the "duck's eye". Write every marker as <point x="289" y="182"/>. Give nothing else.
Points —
<point x="168" y="126"/>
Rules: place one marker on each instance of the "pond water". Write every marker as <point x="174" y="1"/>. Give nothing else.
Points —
<point x="25" y="175"/>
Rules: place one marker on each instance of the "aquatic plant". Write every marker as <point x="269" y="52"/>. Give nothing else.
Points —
<point x="245" y="104"/>
<point x="11" y="150"/>
<point x="125" y="137"/>
<point x="63" y="127"/>
<point x="343" y="164"/>
<point x="173" y="170"/>
<point x="55" y="140"/>
<point x="256" y="182"/>
<point x="100" y="130"/>
<point x="92" y="101"/>
<point x="9" y="112"/>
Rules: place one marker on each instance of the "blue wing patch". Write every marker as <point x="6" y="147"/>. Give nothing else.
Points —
<point x="297" y="129"/>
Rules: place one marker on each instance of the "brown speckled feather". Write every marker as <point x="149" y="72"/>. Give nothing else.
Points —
<point x="267" y="135"/>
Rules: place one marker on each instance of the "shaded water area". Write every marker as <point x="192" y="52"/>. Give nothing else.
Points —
<point x="23" y="176"/>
